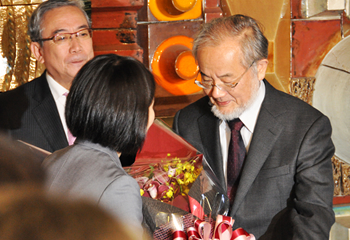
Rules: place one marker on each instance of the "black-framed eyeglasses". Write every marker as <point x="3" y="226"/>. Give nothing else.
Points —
<point x="224" y="86"/>
<point x="61" y="38"/>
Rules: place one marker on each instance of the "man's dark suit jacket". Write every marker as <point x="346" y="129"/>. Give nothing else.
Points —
<point x="286" y="186"/>
<point x="29" y="113"/>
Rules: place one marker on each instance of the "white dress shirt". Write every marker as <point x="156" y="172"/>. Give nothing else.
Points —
<point x="58" y="92"/>
<point x="248" y="117"/>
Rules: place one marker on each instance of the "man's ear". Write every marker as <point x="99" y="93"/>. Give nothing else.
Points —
<point x="37" y="51"/>
<point x="262" y="66"/>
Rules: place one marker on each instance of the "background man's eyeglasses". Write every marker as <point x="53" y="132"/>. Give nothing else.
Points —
<point x="61" y="38"/>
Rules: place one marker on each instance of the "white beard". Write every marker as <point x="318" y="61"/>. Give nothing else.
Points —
<point x="235" y="113"/>
<point x="228" y="116"/>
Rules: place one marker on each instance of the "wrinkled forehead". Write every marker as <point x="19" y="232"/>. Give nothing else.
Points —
<point x="216" y="56"/>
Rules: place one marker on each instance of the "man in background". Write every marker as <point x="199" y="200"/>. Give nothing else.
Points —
<point x="270" y="151"/>
<point x="62" y="41"/>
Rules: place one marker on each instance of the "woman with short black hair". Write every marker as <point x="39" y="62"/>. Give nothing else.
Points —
<point x="109" y="110"/>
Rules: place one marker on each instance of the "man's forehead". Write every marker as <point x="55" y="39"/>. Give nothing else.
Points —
<point x="66" y="18"/>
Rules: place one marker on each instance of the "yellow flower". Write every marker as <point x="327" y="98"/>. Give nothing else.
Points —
<point x="142" y="192"/>
<point x="187" y="167"/>
<point x="189" y="178"/>
<point x="170" y="193"/>
<point x="178" y="171"/>
<point x="185" y="191"/>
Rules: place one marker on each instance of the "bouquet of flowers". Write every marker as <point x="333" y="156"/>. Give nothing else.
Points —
<point x="165" y="169"/>
<point x="208" y="219"/>
<point x="181" y="196"/>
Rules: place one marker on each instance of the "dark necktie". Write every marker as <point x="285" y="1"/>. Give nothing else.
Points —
<point x="236" y="155"/>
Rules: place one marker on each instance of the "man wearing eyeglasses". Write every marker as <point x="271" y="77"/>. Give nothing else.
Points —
<point x="62" y="40"/>
<point x="271" y="152"/>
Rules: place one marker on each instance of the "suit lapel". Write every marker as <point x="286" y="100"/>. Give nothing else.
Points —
<point x="210" y="136"/>
<point x="266" y="133"/>
<point x="46" y="114"/>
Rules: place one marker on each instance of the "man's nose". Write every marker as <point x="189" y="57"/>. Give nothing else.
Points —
<point x="217" y="92"/>
<point x="75" y="44"/>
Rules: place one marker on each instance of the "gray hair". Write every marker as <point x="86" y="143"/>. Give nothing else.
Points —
<point x="249" y="33"/>
<point x="35" y="22"/>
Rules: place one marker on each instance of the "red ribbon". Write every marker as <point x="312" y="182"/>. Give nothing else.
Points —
<point x="193" y="234"/>
<point x="202" y="229"/>
<point x="223" y="228"/>
<point x="238" y="233"/>
<point x="179" y="235"/>
<point x="222" y="231"/>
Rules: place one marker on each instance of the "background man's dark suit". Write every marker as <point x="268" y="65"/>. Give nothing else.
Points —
<point x="29" y="113"/>
<point x="286" y="186"/>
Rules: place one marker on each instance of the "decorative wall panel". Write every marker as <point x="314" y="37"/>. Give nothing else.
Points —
<point x="114" y="25"/>
<point x="173" y="91"/>
<point x="17" y="65"/>
<point x="19" y="2"/>
<point x="311" y="40"/>
<point x="345" y="25"/>
<point x="332" y="95"/>
<point x="303" y="88"/>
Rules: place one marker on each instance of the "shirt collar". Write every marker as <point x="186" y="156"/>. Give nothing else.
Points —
<point x="250" y="115"/>
<point x="57" y="90"/>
